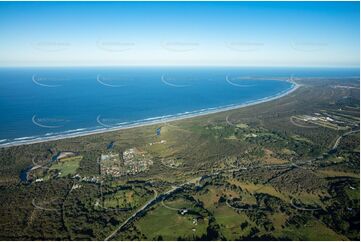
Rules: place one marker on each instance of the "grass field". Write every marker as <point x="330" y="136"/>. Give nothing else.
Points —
<point x="260" y="188"/>
<point x="249" y="164"/>
<point x="122" y="199"/>
<point x="313" y="230"/>
<point x="67" y="166"/>
<point x="230" y="221"/>
<point x="335" y="173"/>
<point x="170" y="225"/>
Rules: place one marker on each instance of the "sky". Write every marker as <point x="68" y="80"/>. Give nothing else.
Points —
<point x="315" y="34"/>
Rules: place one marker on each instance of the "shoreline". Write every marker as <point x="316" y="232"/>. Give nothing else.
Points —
<point x="208" y="111"/>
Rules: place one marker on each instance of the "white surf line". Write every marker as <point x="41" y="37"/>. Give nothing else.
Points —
<point x="106" y="84"/>
<point x="33" y="119"/>
<point x="118" y="125"/>
<point x="171" y="84"/>
<point x="33" y="78"/>
<point x="183" y="117"/>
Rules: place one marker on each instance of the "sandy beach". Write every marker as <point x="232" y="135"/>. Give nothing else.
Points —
<point x="24" y="141"/>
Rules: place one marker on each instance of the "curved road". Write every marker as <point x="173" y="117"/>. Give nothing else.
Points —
<point x="194" y="180"/>
<point x="300" y="125"/>
<point x="339" y="138"/>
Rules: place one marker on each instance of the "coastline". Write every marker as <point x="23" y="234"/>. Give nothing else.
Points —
<point x="187" y="115"/>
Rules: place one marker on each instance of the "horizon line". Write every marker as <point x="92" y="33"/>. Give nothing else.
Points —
<point x="180" y="65"/>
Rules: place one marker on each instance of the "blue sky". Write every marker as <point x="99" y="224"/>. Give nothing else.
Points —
<point x="180" y="33"/>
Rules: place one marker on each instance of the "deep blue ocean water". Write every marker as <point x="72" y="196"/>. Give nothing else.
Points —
<point x="42" y="102"/>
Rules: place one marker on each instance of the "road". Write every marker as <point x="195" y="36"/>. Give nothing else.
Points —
<point x="151" y="202"/>
<point x="63" y="210"/>
<point x="302" y="126"/>
<point x="195" y="180"/>
<point x="145" y="206"/>
<point x="339" y="138"/>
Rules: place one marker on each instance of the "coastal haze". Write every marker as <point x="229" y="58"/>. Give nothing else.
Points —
<point x="180" y="121"/>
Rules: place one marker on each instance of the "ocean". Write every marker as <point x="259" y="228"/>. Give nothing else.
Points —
<point x="38" y="103"/>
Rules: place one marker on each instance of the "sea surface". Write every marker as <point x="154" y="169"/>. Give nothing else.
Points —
<point x="45" y="102"/>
